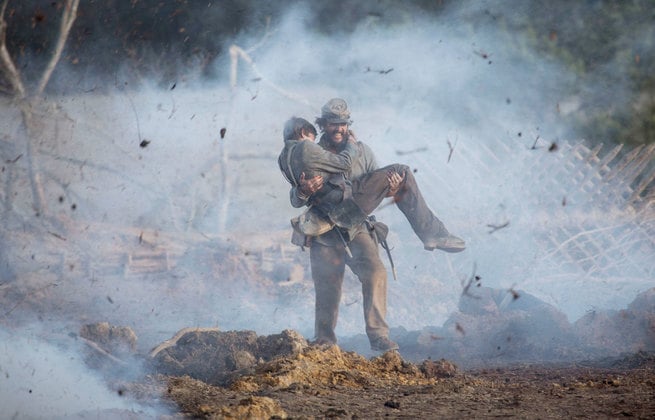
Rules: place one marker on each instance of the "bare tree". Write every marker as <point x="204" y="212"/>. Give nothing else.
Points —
<point x="8" y="67"/>
<point x="26" y="100"/>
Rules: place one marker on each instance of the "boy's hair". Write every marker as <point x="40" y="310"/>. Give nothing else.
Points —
<point x="294" y="127"/>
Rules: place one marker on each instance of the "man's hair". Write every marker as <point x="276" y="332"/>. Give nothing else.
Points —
<point x="321" y="123"/>
<point x="294" y="127"/>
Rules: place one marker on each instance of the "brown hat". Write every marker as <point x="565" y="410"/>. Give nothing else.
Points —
<point x="336" y="111"/>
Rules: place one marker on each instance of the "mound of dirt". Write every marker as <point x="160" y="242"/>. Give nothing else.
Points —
<point x="626" y="331"/>
<point x="494" y="327"/>
<point x="283" y="381"/>
<point x="215" y="356"/>
<point x="208" y="373"/>
<point x="245" y="362"/>
<point x="327" y="382"/>
<point x="331" y="367"/>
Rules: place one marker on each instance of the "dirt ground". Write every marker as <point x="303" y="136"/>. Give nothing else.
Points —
<point x="330" y="383"/>
<point x="215" y="374"/>
<point x="516" y="360"/>
<point x="282" y="376"/>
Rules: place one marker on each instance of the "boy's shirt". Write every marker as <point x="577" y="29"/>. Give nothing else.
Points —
<point x="303" y="156"/>
<point x="299" y="154"/>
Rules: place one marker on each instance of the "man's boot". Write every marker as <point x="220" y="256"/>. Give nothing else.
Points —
<point x="383" y="344"/>
<point x="449" y="243"/>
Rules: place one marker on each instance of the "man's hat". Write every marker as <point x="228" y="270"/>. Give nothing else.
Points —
<point x="336" y="111"/>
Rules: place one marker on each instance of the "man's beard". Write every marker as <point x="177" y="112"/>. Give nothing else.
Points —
<point x="337" y="145"/>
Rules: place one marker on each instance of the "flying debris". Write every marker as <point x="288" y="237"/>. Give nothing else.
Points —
<point x="407" y="152"/>
<point x="369" y="70"/>
<point x="497" y="227"/>
<point x="451" y="148"/>
<point x="484" y="55"/>
<point x="475" y="279"/>
<point x="14" y="160"/>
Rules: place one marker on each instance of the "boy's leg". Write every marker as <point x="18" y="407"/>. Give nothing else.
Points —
<point x="370" y="189"/>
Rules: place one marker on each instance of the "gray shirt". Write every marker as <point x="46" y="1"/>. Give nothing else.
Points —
<point x="363" y="161"/>
<point x="304" y="156"/>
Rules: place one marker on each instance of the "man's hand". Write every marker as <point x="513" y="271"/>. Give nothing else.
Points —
<point x="395" y="179"/>
<point x="310" y="186"/>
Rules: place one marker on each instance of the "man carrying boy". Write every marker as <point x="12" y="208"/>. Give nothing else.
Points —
<point x="328" y="251"/>
<point x="347" y="202"/>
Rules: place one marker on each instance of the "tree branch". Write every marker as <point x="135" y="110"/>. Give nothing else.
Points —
<point x="6" y="63"/>
<point x="67" y="19"/>
<point x="237" y="52"/>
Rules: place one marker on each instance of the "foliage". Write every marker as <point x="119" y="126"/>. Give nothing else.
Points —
<point x="138" y="37"/>
<point x="601" y="41"/>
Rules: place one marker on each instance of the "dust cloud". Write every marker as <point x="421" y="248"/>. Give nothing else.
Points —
<point x="43" y="380"/>
<point x="471" y="109"/>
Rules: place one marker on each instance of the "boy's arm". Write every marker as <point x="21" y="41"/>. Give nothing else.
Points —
<point x="297" y="198"/>
<point x="315" y="158"/>
<point x="301" y="193"/>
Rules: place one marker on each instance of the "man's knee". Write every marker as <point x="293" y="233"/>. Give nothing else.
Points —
<point x="375" y="273"/>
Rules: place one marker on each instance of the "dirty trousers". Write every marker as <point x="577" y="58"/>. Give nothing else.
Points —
<point x="370" y="189"/>
<point x="328" y="266"/>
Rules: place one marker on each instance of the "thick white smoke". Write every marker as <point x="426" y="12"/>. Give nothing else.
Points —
<point x="39" y="380"/>
<point x="142" y="170"/>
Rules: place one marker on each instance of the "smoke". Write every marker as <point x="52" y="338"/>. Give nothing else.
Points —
<point x="141" y="172"/>
<point x="428" y="88"/>
<point x="41" y="380"/>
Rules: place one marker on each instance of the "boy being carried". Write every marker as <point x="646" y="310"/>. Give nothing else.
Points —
<point x="347" y="202"/>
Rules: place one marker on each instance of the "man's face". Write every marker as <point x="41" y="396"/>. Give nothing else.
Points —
<point x="336" y="132"/>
